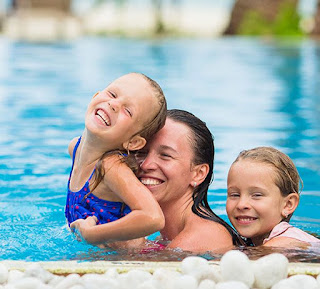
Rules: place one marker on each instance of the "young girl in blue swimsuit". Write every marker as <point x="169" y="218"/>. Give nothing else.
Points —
<point x="103" y="189"/>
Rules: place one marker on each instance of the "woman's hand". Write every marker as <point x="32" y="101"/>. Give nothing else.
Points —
<point x="81" y="226"/>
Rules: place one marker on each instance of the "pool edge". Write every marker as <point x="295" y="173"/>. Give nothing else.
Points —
<point x="80" y="267"/>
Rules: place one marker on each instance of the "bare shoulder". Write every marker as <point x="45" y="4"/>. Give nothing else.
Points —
<point x="114" y="163"/>
<point x="201" y="235"/>
<point x="72" y="144"/>
<point x="286" y="242"/>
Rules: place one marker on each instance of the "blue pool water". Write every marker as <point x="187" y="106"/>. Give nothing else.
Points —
<point x="250" y="92"/>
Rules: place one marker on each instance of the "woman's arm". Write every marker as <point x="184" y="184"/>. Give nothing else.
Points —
<point x="145" y="218"/>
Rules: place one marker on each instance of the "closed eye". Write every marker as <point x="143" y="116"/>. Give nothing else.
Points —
<point x="113" y="95"/>
<point x="165" y="155"/>
<point x="128" y="111"/>
<point x="257" y="195"/>
<point x="233" y="195"/>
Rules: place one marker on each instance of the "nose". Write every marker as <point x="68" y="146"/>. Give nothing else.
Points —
<point x="147" y="163"/>
<point x="243" y="203"/>
<point x="114" y="104"/>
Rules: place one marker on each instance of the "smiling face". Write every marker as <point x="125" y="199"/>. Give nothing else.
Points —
<point x="166" y="163"/>
<point x="254" y="204"/>
<point x="121" y="110"/>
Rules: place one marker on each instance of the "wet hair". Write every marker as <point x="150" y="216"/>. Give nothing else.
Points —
<point x="287" y="178"/>
<point x="149" y="129"/>
<point x="202" y="144"/>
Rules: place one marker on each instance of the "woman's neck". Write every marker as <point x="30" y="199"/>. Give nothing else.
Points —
<point x="176" y="214"/>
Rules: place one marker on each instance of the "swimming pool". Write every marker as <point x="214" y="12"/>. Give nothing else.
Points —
<point x="250" y="92"/>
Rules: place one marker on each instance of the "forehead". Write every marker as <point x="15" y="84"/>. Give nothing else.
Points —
<point x="175" y="135"/>
<point x="132" y="85"/>
<point x="252" y="171"/>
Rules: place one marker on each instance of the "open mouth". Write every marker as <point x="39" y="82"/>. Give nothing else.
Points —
<point x="150" y="181"/>
<point x="103" y="116"/>
<point x="245" y="219"/>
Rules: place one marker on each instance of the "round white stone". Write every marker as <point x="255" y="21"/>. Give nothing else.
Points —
<point x="185" y="282"/>
<point x="236" y="266"/>
<point x="297" y="282"/>
<point x="15" y="275"/>
<point x="269" y="270"/>
<point x="78" y="286"/>
<point x="3" y="273"/>
<point x="27" y="283"/>
<point x="55" y="280"/>
<point x="133" y="278"/>
<point x="69" y="281"/>
<point x="149" y="284"/>
<point x="207" y="284"/>
<point x="304" y="281"/>
<point x="35" y="270"/>
<point x="231" y="285"/>
<point x="194" y="266"/>
<point x="164" y="278"/>
<point x="98" y="281"/>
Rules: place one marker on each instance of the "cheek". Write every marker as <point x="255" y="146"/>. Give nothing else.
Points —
<point x="229" y="206"/>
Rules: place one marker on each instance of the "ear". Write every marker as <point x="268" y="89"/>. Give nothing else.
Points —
<point x="200" y="173"/>
<point x="290" y="204"/>
<point x="135" y="143"/>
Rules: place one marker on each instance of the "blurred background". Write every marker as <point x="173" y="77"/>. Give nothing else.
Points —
<point x="250" y="69"/>
<point x="56" y="19"/>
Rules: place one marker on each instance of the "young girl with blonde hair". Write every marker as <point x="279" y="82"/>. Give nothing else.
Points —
<point x="103" y="190"/>
<point x="263" y="192"/>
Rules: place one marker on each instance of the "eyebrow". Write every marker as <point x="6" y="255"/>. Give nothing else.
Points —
<point x="165" y="147"/>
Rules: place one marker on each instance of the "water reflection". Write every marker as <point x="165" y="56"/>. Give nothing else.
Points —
<point x="250" y="92"/>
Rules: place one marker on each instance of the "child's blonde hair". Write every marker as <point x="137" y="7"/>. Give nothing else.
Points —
<point x="149" y="129"/>
<point x="287" y="178"/>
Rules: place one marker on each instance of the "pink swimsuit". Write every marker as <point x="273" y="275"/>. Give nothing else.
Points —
<point x="284" y="229"/>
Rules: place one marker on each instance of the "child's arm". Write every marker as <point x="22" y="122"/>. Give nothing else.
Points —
<point x="146" y="216"/>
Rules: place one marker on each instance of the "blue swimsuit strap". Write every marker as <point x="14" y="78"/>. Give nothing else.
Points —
<point x="74" y="155"/>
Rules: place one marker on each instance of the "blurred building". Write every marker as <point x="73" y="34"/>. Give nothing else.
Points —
<point x="41" y="20"/>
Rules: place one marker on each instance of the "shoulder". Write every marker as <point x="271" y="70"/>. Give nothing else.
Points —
<point x="282" y="241"/>
<point x="285" y="234"/>
<point x="72" y="144"/>
<point x="113" y="161"/>
<point x="201" y="235"/>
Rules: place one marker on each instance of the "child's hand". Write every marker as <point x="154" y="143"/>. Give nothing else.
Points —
<point x="80" y="226"/>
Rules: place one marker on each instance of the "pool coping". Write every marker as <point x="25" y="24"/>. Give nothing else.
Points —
<point x="100" y="267"/>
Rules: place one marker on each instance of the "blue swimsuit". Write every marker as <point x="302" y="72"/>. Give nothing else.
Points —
<point x="83" y="204"/>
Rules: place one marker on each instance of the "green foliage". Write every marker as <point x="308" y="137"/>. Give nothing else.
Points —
<point x="286" y="23"/>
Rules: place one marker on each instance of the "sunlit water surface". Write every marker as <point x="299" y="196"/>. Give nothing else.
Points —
<point x="250" y="92"/>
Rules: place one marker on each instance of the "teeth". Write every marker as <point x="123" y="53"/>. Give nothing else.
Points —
<point x="150" y="182"/>
<point x="246" y="219"/>
<point x="104" y="116"/>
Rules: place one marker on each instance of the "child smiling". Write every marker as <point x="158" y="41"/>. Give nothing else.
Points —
<point x="263" y="193"/>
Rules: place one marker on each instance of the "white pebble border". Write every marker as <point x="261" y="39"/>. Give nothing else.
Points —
<point x="234" y="271"/>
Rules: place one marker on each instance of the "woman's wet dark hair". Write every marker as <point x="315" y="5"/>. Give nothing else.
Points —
<point x="203" y="149"/>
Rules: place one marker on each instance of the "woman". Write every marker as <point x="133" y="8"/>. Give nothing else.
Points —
<point x="177" y="167"/>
